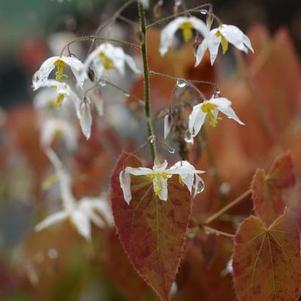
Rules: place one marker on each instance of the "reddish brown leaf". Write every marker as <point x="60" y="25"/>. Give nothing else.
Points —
<point x="152" y="231"/>
<point x="122" y="271"/>
<point x="270" y="190"/>
<point x="266" y="261"/>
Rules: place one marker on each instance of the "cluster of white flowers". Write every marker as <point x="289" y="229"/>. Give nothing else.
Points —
<point x="78" y="87"/>
<point x="65" y="81"/>
<point x="81" y="212"/>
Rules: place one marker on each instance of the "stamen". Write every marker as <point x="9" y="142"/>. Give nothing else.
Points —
<point x="59" y="100"/>
<point x="60" y="68"/>
<point x="106" y="62"/>
<point x="224" y="41"/>
<point x="208" y="108"/>
<point x="187" y="31"/>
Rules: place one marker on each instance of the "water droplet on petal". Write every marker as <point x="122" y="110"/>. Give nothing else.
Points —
<point x="217" y="93"/>
<point x="200" y="186"/>
<point x="102" y="83"/>
<point x="188" y="137"/>
<point x="181" y="83"/>
<point x="204" y="11"/>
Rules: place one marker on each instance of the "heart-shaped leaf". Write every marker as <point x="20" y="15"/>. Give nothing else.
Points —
<point x="151" y="231"/>
<point x="270" y="190"/>
<point x="266" y="260"/>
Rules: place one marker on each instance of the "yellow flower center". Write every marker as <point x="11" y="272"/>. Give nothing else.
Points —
<point x="60" y="68"/>
<point x="156" y="178"/>
<point x="187" y="31"/>
<point x="208" y="108"/>
<point x="106" y="61"/>
<point x="224" y="41"/>
<point x="59" y="100"/>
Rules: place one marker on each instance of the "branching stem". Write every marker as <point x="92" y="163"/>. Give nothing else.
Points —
<point x="228" y="206"/>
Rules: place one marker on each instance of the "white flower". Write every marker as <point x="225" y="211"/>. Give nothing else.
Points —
<point x="79" y="213"/>
<point x="55" y="127"/>
<point x="210" y="109"/>
<point x="107" y="57"/>
<point x="186" y="24"/>
<point x="223" y="35"/>
<point x="159" y="175"/>
<point x="59" y="64"/>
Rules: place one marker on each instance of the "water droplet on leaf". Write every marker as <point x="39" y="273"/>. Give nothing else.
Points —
<point x="181" y="83"/>
<point x="200" y="186"/>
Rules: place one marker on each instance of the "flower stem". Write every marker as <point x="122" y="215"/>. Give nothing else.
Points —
<point x="227" y="207"/>
<point x="147" y="105"/>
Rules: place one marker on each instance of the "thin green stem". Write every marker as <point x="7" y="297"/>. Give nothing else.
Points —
<point x="147" y="105"/>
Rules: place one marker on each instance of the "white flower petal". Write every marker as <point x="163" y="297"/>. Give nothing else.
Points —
<point x="224" y="106"/>
<point x="52" y="127"/>
<point x="160" y="184"/>
<point x="125" y="184"/>
<point x="170" y="29"/>
<point x="200" y="52"/>
<point x="196" y="120"/>
<point x="160" y="167"/>
<point x="51" y="220"/>
<point x="85" y="118"/>
<point x="82" y="223"/>
<point x="139" y="171"/>
<point x="130" y="61"/>
<point x="145" y="3"/>
<point x="100" y="205"/>
<point x="236" y="37"/>
<point x="229" y="112"/>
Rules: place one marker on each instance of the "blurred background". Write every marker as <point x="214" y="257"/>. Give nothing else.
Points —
<point x="58" y="264"/>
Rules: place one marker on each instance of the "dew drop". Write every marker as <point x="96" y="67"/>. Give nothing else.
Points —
<point x="52" y="253"/>
<point x="204" y="11"/>
<point x="217" y="93"/>
<point x="126" y="95"/>
<point x="181" y="83"/>
<point x="200" y="186"/>
<point x="152" y="139"/>
<point x="102" y="83"/>
<point x="188" y="137"/>
<point x="171" y="149"/>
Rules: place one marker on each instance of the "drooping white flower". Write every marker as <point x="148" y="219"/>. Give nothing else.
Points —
<point x="189" y="176"/>
<point x="107" y="57"/>
<point x="223" y="35"/>
<point x="159" y="176"/>
<point x="59" y="64"/>
<point x="80" y="213"/>
<point x="186" y="25"/>
<point x="55" y="127"/>
<point x="209" y="109"/>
